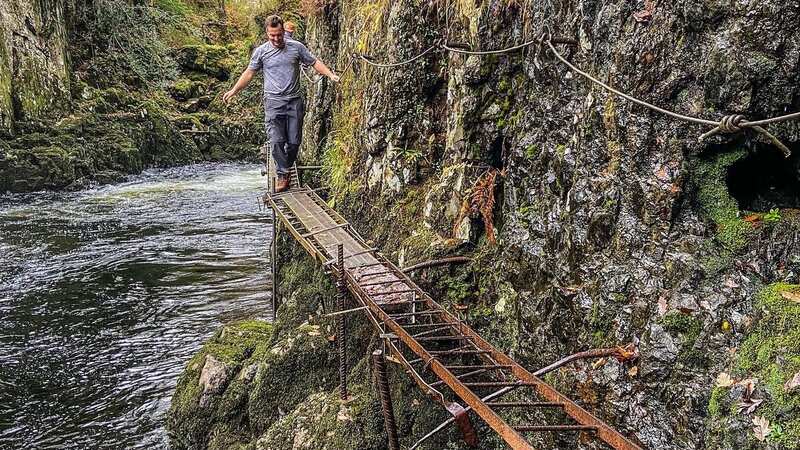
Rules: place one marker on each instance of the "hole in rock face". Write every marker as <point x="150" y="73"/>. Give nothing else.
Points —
<point x="765" y="179"/>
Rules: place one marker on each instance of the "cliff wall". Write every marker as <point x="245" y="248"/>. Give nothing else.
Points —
<point x="613" y="223"/>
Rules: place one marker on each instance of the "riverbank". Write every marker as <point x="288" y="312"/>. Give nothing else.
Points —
<point x="142" y="89"/>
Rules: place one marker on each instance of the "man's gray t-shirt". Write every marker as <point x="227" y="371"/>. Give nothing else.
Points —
<point x="281" y="67"/>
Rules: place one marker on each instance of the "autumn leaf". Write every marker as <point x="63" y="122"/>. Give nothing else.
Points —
<point x="761" y="428"/>
<point x="748" y="406"/>
<point x="793" y="383"/>
<point x="749" y="386"/>
<point x="724" y="380"/>
<point x="791" y="296"/>
<point x="752" y="218"/>
<point x="662" y="305"/>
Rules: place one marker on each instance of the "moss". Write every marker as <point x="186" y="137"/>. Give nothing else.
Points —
<point x="689" y="328"/>
<point x="716" y="202"/>
<point x="213" y="60"/>
<point x="719" y="403"/>
<point x="185" y="89"/>
<point x="771" y="353"/>
<point x="176" y="7"/>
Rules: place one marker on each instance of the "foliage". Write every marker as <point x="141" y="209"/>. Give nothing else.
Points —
<point x="480" y="201"/>
<point x="130" y="33"/>
<point x="774" y="215"/>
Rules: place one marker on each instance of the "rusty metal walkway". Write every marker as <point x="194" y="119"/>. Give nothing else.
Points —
<point x="443" y="355"/>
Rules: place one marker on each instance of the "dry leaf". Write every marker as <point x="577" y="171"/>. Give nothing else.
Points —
<point x="791" y="296"/>
<point x="724" y="380"/>
<point x="633" y="371"/>
<point x="662" y="305"/>
<point x="749" y="385"/>
<point x="753" y="218"/>
<point x="643" y="16"/>
<point x="747" y="406"/>
<point x="761" y="428"/>
<point x="793" y="383"/>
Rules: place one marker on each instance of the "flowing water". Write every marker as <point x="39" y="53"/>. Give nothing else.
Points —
<point x="105" y="294"/>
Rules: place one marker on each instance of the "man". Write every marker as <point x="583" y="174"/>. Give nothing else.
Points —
<point x="289" y="28"/>
<point x="284" y="107"/>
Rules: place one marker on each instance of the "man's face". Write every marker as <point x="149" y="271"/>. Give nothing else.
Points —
<point x="275" y="35"/>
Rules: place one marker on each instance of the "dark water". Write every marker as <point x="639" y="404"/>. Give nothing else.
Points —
<point x="105" y="294"/>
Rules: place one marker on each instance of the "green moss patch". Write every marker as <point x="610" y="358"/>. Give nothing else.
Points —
<point x="772" y="354"/>
<point x="717" y="203"/>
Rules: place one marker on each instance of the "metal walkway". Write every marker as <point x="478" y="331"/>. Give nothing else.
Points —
<point x="443" y="355"/>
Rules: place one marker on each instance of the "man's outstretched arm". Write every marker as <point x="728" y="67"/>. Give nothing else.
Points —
<point x="242" y="83"/>
<point x="322" y="69"/>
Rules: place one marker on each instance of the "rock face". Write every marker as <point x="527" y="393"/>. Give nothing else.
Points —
<point x="34" y="60"/>
<point x="614" y="224"/>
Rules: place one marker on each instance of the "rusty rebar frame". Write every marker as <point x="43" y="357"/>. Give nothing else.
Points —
<point x="382" y="382"/>
<point x="512" y="435"/>
<point x="341" y="328"/>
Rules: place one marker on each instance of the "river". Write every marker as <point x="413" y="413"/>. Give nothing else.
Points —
<point x="106" y="293"/>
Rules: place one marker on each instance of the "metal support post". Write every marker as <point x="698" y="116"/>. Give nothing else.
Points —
<point x="382" y="381"/>
<point x="341" y="330"/>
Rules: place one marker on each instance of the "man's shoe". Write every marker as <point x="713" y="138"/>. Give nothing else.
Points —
<point x="282" y="184"/>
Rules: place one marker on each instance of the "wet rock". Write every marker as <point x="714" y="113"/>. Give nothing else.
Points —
<point x="659" y="352"/>
<point x="213" y="379"/>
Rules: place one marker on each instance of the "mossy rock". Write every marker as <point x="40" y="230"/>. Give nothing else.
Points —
<point x="185" y="89"/>
<point x="213" y="60"/>
<point x="716" y="202"/>
<point x="770" y="354"/>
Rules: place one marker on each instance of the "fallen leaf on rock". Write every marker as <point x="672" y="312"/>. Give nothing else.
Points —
<point x="730" y="283"/>
<point x="724" y="380"/>
<point x="793" y="383"/>
<point x="791" y="296"/>
<point x="749" y="385"/>
<point x="633" y="371"/>
<point x="662" y="305"/>
<point x="747" y="406"/>
<point x="332" y="338"/>
<point x="753" y="218"/>
<point x="643" y="16"/>
<point x="761" y="428"/>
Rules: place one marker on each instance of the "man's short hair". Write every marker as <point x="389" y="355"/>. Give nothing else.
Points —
<point x="274" y="21"/>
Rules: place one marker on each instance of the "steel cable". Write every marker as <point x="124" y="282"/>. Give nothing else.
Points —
<point x="728" y="124"/>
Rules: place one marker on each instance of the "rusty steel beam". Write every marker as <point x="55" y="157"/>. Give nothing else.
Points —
<point x="387" y="323"/>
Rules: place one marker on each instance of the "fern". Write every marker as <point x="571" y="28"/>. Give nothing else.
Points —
<point x="480" y="202"/>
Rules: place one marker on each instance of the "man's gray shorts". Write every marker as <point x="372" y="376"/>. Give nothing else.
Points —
<point x="285" y="128"/>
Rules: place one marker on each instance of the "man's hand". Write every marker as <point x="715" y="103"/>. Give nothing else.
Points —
<point x="226" y="97"/>
<point x="242" y="83"/>
<point x="335" y="78"/>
